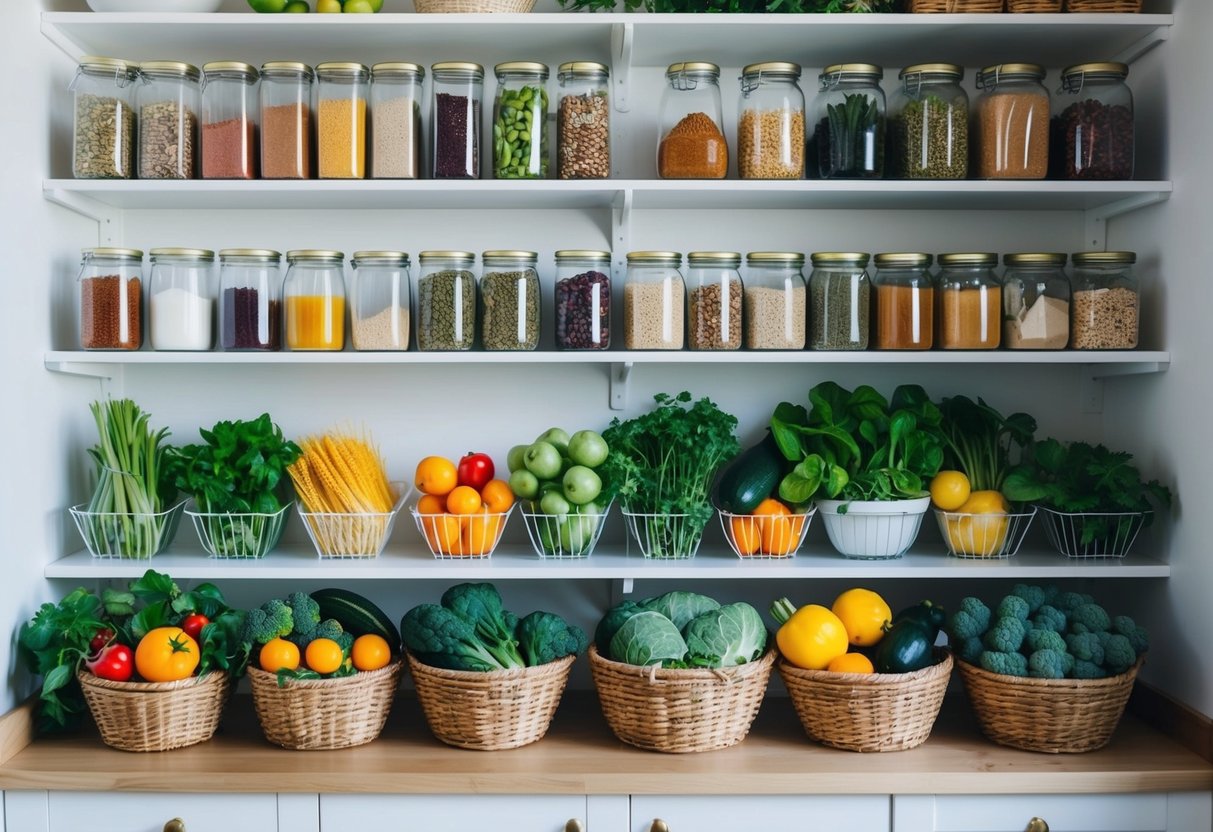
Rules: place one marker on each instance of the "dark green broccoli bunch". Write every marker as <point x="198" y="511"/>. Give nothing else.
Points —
<point x="296" y="619"/>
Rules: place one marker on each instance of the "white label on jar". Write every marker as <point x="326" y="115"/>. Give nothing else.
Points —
<point x="595" y="314"/>
<point x="521" y="319"/>
<point x="789" y="297"/>
<point x="916" y="319"/>
<point x="181" y="320"/>
<point x="459" y="306"/>
<point x="724" y="308"/>
<point x="854" y="309"/>
<point x="985" y="318"/>
<point x="667" y="310"/>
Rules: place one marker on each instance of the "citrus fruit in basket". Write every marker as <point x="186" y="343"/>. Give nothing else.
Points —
<point x="864" y="614"/>
<point x="497" y="496"/>
<point x="463" y="500"/>
<point x="949" y="490"/>
<point x="982" y="527"/>
<point x="776" y="527"/>
<point x="431" y="504"/>
<point x="442" y="532"/>
<point x="370" y="652"/>
<point x="436" y="475"/>
<point x="851" y="663"/>
<point x="480" y="533"/>
<point x="278" y="654"/>
<point x="323" y="655"/>
<point x="747" y="533"/>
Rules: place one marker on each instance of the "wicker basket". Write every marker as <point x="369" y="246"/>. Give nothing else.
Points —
<point x="868" y="711"/>
<point x="156" y="716"/>
<point x="1114" y="6"/>
<point x="1051" y="715"/>
<point x="474" y="6"/>
<point x="1033" y="6"/>
<point x="490" y="711"/>
<point x="324" y="714"/>
<point x="679" y="711"/>
<point x="954" y="6"/>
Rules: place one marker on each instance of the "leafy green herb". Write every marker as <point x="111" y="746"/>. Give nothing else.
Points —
<point x="978" y="440"/>
<point x="53" y="643"/>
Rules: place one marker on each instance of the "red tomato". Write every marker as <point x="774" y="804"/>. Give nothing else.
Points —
<point x="193" y="624"/>
<point x="476" y="470"/>
<point x="100" y="638"/>
<point x="115" y="663"/>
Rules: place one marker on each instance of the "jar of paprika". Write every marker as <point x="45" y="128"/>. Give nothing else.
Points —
<point x="692" y="143"/>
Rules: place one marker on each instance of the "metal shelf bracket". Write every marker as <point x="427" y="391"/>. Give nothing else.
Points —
<point x="108" y="218"/>
<point x="623" y="36"/>
<point x="1134" y="51"/>
<point x="621" y="374"/>
<point x="111" y="376"/>
<point x="1095" y="220"/>
<point x="1093" y="375"/>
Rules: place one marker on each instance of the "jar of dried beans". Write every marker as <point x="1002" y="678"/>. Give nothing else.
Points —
<point x="379" y="300"/>
<point x="250" y="306"/>
<point x="970" y="302"/>
<point x="509" y="300"/>
<point x="229" y="120"/>
<point x="396" y="120"/>
<point x="111" y="299"/>
<point x="455" y="119"/>
<point x="770" y="128"/>
<point x="714" y="300"/>
<point x="583" y="300"/>
<point x="181" y="302"/>
<point x="446" y="300"/>
<point x="286" y="120"/>
<point x="692" y="143"/>
<point x="520" y="121"/>
<point x="314" y="290"/>
<point x="848" y="124"/>
<point x="775" y="305"/>
<point x="1093" y="133"/>
<point x="905" y="301"/>
<point x="583" y="121"/>
<point x="1035" y="302"/>
<point x="167" y="101"/>
<point x="341" y="120"/>
<point x="1012" y="122"/>
<point x="1106" y="301"/>
<point x="840" y="297"/>
<point x="929" y="123"/>
<point x="103" y="127"/>
<point x="654" y="301"/>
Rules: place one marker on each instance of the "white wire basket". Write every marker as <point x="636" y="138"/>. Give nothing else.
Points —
<point x="1113" y="536"/>
<point x="116" y="535"/>
<point x="352" y="535"/>
<point x="871" y="529"/>
<point x="461" y="536"/>
<point x="238" y="535"/>
<point x="984" y="536"/>
<point x="665" y="536"/>
<point x="766" y="536"/>
<point x="564" y="536"/>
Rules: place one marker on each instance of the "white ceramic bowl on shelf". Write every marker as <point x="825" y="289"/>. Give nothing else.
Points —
<point x="155" y="5"/>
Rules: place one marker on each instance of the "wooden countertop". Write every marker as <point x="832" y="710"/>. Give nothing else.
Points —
<point x="581" y="756"/>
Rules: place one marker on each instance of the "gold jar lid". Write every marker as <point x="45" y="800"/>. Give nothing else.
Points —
<point x="584" y="69"/>
<point x="775" y="258"/>
<point x="95" y="64"/>
<point x="839" y="258"/>
<point x="1097" y="69"/>
<point x="993" y="75"/>
<point x="230" y="68"/>
<point x="1104" y="258"/>
<point x="279" y="69"/>
<point x="730" y="259"/>
<point x="174" y="69"/>
<point x="903" y="259"/>
<point x="313" y="254"/>
<point x="460" y="256"/>
<point x="1034" y="259"/>
<point x="968" y="258"/>
<point x="399" y="258"/>
<point x="858" y="70"/>
<point x="521" y="68"/>
<point x="658" y="258"/>
<point x="774" y="69"/>
<point x="504" y="254"/>
<point x="582" y="254"/>
<point x="458" y="69"/>
<point x="952" y="71"/>
<point x="342" y="69"/>
<point x="255" y="253"/>
<point x="117" y="253"/>
<point x="397" y="69"/>
<point x="190" y="253"/>
<point x="692" y="68"/>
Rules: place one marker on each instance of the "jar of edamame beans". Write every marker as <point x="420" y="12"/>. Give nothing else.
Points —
<point x="520" y="112"/>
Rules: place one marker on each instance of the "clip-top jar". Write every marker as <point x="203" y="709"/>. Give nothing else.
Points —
<point x="103" y="126"/>
<point x="379" y="300"/>
<point x="775" y="306"/>
<point x="396" y="120"/>
<point x="250" y="308"/>
<point x="714" y="300"/>
<point x="1106" y="302"/>
<point x="1035" y="302"/>
<point x="1094" y="132"/>
<point x="314" y="290"/>
<point x="654" y="301"/>
<point x="520" y="121"/>
<point x="691" y="130"/>
<point x="509" y="300"/>
<point x="583" y="299"/>
<point x="970" y="302"/>
<point x="905" y="301"/>
<point x="1012" y="122"/>
<point x="848" y="123"/>
<point x="446" y="300"/>
<point x="583" y="121"/>
<point x="840" y="297"/>
<point x="167" y="101"/>
<point x="455" y="119"/>
<point x="341" y="97"/>
<point x="929" y="123"/>
<point x="286" y="120"/>
<point x="229" y="120"/>
<point x="111" y="299"/>
<point x="770" y="127"/>
<point x="181" y="303"/>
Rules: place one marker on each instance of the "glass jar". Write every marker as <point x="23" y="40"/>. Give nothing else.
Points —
<point x="446" y="300"/>
<point x="379" y="300"/>
<point x="103" y="124"/>
<point x="286" y="120"/>
<point x="848" y="124"/>
<point x="167" y="101"/>
<point x="181" y="303"/>
<point x="905" y="301"/>
<point x="520" y="111"/>
<point x="250" y="309"/>
<point x="1093" y="134"/>
<point x="1012" y="122"/>
<point x="583" y="121"/>
<point x="455" y="119"/>
<point x="229" y="120"/>
<point x="770" y="127"/>
<point x="692" y="143"/>
<point x="970" y="302"/>
<point x="314" y="290"/>
<point x="714" y="300"/>
<point x="775" y="304"/>
<point x="583" y="300"/>
<point x="840" y="297"/>
<point x="396" y="120"/>
<point x="1035" y="302"/>
<point x="929" y="123"/>
<point x="653" y="301"/>
<point x="111" y="299"/>
<point x="509" y="300"/>
<point x="1106" y="302"/>
<point x="341" y="120"/>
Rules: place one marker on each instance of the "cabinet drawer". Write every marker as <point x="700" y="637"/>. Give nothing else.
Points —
<point x="792" y="813"/>
<point x="1063" y="813"/>
<point x="144" y="812"/>
<point x="450" y="813"/>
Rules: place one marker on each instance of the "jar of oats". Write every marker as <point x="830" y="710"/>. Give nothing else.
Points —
<point x="654" y="300"/>
<point x="379" y="300"/>
<point x="714" y="300"/>
<point x="775" y="303"/>
<point x="770" y="129"/>
<point x="1106" y="301"/>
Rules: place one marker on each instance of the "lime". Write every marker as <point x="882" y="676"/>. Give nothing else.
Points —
<point x="297" y="7"/>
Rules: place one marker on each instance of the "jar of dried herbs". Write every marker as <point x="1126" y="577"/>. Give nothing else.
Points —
<point x="714" y="300"/>
<point x="509" y="300"/>
<point x="167" y="100"/>
<point x="520" y="121"/>
<point x="691" y="129"/>
<point x="1035" y="302"/>
<point x="840" y="297"/>
<point x="970" y="302"/>
<point x="775" y="305"/>
<point x="905" y="301"/>
<point x="111" y="299"/>
<point x="929" y="123"/>
<point x="446" y="300"/>
<point x="1092" y="135"/>
<point x="1104" y="313"/>
<point x="379" y="301"/>
<point x="250" y="305"/>
<point x="1012" y="122"/>
<point x="103" y="126"/>
<point x="848" y="124"/>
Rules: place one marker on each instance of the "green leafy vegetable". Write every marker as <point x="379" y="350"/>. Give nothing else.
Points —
<point x="978" y="440"/>
<point x="480" y="606"/>
<point x="544" y="637"/>
<point x="849" y="141"/>
<point x="730" y="635"/>
<point x="681" y="606"/>
<point x="648" y="638"/>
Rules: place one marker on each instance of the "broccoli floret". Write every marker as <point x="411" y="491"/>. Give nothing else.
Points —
<point x="1137" y="635"/>
<point x="1068" y="664"/>
<point x="544" y="637"/>
<point x="1103" y="636"/>
<point x="1085" y="647"/>
<point x="1118" y="655"/>
<point x="1047" y="664"/>
<point x="1013" y="607"/>
<point x="1034" y="595"/>
<point x="305" y="612"/>
<point x="1008" y="664"/>
<point x="1069" y="601"/>
<point x="479" y="605"/>
<point x="269" y="621"/>
<point x="970" y="650"/>
<point x="963" y="625"/>
<point x="1007" y="634"/>
<point x="1051" y="592"/>
<point x="977" y="608"/>
<point x="1088" y="670"/>
<point x="1092" y="616"/>
<point x="1049" y="617"/>
<point x="1037" y="640"/>
<point x="438" y="637"/>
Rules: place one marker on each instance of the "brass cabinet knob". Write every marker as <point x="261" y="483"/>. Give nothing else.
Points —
<point x="1037" y="825"/>
<point x="574" y="825"/>
<point x="175" y="825"/>
<point x="659" y="825"/>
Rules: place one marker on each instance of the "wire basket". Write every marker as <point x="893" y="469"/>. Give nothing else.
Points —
<point x="766" y="536"/>
<point x="873" y="530"/>
<point x="126" y="536"/>
<point x="984" y="535"/>
<point x="1094" y="534"/>
<point x="352" y="535"/>
<point x="239" y="535"/>
<point x="461" y="536"/>
<point x="564" y="536"/>
<point x="665" y="536"/>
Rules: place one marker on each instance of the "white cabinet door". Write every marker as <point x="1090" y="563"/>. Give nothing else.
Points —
<point x="752" y="813"/>
<point x="1062" y="813"/>
<point x="452" y="813"/>
<point x="146" y="812"/>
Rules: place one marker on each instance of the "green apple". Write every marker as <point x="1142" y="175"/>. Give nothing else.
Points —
<point x="542" y="459"/>
<point x="554" y="503"/>
<point x="524" y="484"/>
<point x="297" y="7"/>
<point x="548" y="534"/>
<point x="581" y="485"/>
<point x="328" y="6"/>
<point x="376" y="5"/>
<point x="576" y="533"/>
<point x="357" y="7"/>
<point x="557" y="437"/>
<point x="513" y="460"/>
<point x="587" y="448"/>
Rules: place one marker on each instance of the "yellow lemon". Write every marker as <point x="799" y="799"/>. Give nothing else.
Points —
<point x="949" y="490"/>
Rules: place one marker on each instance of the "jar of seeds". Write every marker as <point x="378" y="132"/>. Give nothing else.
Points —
<point x="775" y="305"/>
<point x="103" y="126"/>
<point x="1106" y="301"/>
<point x="654" y="301"/>
<point x="583" y="121"/>
<point x="509" y="301"/>
<point x="970" y="302"/>
<point x="520" y="121"/>
<point x="905" y="301"/>
<point x="181" y="302"/>
<point x="455" y="119"/>
<point x="770" y="129"/>
<point x="583" y="300"/>
<point x="229" y="120"/>
<point x="314" y="290"/>
<point x="929" y="123"/>
<point x="396" y="120"/>
<point x="446" y="300"/>
<point x="379" y="300"/>
<point x="714" y="300"/>
<point x="167" y="100"/>
<point x="1035" y="302"/>
<point x="111" y="299"/>
<point x="250" y="306"/>
<point x="840" y="299"/>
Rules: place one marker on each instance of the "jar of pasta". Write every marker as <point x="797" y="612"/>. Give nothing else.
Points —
<point x="379" y="300"/>
<point x="692" y="143"/>
<point x="509" y="300"/>
<point x="770" y="128"/>
<point x="341" y="119"/>
<point x="1035" y="302"/>
<point x="583" y="299"/>
<point x="714" y="300"/>
<point x="1106" y="301"/>
<point x="848" y="124"/>
<point x="970" y="302"/>
<point x="314" y="291"/>
<point x="905" y="301"/>
<point x="654" y="300"/>
<point x="1012" y="122"/>
<point x="840" y="298"/>
<point x="775" y="305"/>
<point x="111" y="299"/>
<point x="250" y="306"/>
<point x="446" y="300"/>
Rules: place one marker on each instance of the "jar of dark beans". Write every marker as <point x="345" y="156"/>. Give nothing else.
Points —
<point x="1092" y="126"/>
<point x="455" y="119"/>
<point x="583" y="300"/>
<point x="509" y="301"/>
<point x="250" y="304"/>
<point x="446" y="300"/>
<point x="111" y="299"/>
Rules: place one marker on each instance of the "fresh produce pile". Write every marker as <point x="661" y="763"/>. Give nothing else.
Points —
<point x="463" y="509"/>
<point x="682" y="630"/>
<point x="322" y="6"/>
<point x="746" y="488"/>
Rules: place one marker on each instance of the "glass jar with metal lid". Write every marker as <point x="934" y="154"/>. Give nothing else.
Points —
<point x="770" y="125"/>
<point x="583" y="299"/>
<point x="1012" y="122"/>
<point x="509" y="300"/>
<point x="840" y="298"/>
<point x="691" y="128"/>
<point x="583" y="121"/>
<point x="167" y="101"/>
<point x="848" y="124"/>
<point x="455" y="119"/>
<point x="1093" y="134"/>
<point x="970" y="302"/>
<point x="181" y="302"/>
<point x="446" y="300"/>
<point x="654" y="301"/>
<point x="103" y="124"/>
<point x="929" y="123"/>
<point x="1104" y="311"/>
<point x="229" y="120"/>
<point x="111" y="299"/>
<point x="520" y="121"/>
<point x="1035" y="302"/>
<point x="714" y="300"/>
<point x="905" y="301"/>
<point x="379" y="300"/>
<point x="250" y="306"/>
<point x="314" y="291"/>
<point x="396" y="120"/>
<point x="286" y="120"/>
<point x="775" y="305"/>
<point x="341" y="99"/>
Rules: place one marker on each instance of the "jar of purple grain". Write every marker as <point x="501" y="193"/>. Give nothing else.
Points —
<point x="583" y="299"/>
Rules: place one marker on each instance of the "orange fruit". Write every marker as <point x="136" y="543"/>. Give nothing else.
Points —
<point x="776" y="527"/>
<point x="436" y="475"/>
<point x="442" y="533"/>
<point x="497" y="496"/>
<point x="323" y="655"/>
<point x="851" y="663"/>
<point x="747" y="533"/>
<point x="480" y="533"/>
<point x="463" y="499"/>
<point x="370" y="652"/>
<point x="771" y="506"/>
<point x="431" y="504"/>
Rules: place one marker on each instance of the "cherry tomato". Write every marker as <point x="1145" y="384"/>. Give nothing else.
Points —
<point x="115" y="663"/>
<point x="193" y="624"/>
<point x="475" y="470"/>
<point x="100" y="638"/>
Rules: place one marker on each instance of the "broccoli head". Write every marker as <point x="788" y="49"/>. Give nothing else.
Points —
<point x="1006" y="636"/>
<point x="970" y="620"/>
<point x="1049" y="617"/>
<point x="479" y="605"/>
<point x="1085" y="647"/>
<point x="1118" y="655"/>
<point x="1037" y="640"/>
<point x="544" y="637"/>
<point x="1088" y="670"/>
<point x="1013" y="607"/>
<point x="1008" y="664"/>
<point x="1069" y="601"/>
<point x="977" y="608"/>
<point x="305" y="612"/>
<point x="1137" y="636"/>
<point x="1034" y="595"/>
<point x="970" y="650"/>
<point x="438" y="637"/>
<point x="1068" y="664"/>
<point x="1051" y="592"/>
<point x="269" y="621"/>
<point x="1047" y="664"/>
<point x="1092" y="616"/>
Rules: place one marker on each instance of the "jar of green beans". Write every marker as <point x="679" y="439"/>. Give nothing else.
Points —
<point x="847" y="141"/>
<point x="520" y="112"/>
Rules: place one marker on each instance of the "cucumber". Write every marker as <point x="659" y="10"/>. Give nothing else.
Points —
<point x="356" y="615"/>
<point x="750" y="477"/>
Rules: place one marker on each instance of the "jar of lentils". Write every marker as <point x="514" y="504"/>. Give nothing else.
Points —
<point x="103" y="126"/>
<point x="379" y="301"/>
<point x="970" y="302"/>
<point x="250" y="308"/>
<point x="848" y="124"/>
<point x="583" y="300"/>
<point x="770" y="128"/>
<point x="1093" y="134"/>
<point x="1106" y="301"/>
<point x="509" y="300"/>
<point x="692" y="143"/>
<point x="111" y="299"/>
<point x="714" y="300"/>
<point x="905" y="301"/>
<point x="583" y="121"/>
<point x="167" y="100"/>
<point x="1012" y="122"/>
<point x="840" y="298"/>
<point x="520" y="121"/>
<point x="446" y="300"/>
<point x="654" y="301"/>
<point x="315" y="300"/>
<point x="181" y="302"/>
<point x="929" y="123"/>
<point x="775" y="305"/>
<point x="1035" y="302"/>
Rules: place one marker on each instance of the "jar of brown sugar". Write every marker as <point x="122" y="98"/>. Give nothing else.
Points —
<point x="111" y="299"/>
<point x="905" y="301"/>
<point x="714" y="300"/>
<point x="692" y="143"/>
<point x="1106" y="301"/>
<point x="654" y="301"/>
<point x="229" y="120"/>
<point x="970" y="302"/>
<point x="1035" y="302"/>
<point x="1012" y="122"/>
<point x="286" y="120"/>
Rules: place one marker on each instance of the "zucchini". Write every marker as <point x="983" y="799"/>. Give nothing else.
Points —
<point x="905" y="648"/>
<point x="356" y="615"/>
<point x="750" y="477"/>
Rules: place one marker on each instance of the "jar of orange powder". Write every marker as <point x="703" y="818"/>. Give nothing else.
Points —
<point x="692" y="143"/>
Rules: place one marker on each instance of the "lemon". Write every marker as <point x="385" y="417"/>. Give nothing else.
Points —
<point x="949" y="490"/>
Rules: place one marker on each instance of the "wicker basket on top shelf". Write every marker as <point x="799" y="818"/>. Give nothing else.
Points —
<point x="955" y="6"/>
<point x="1033" y="6"/>
<point x="1107" y="6"/>
<point x="474" y="6"/>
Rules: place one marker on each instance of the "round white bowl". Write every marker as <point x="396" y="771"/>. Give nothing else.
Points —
<point x="873" y="529"/>
<point x="155" y="5"/>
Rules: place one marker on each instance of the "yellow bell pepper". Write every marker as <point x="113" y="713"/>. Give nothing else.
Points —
<point x="810" y="637"/>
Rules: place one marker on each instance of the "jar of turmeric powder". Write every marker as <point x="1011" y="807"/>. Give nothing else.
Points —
<point x="970" y="302"/>
<point x="314" y="290"/>
<point x="692" y="143"/>
<point x="904" y="301"/>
